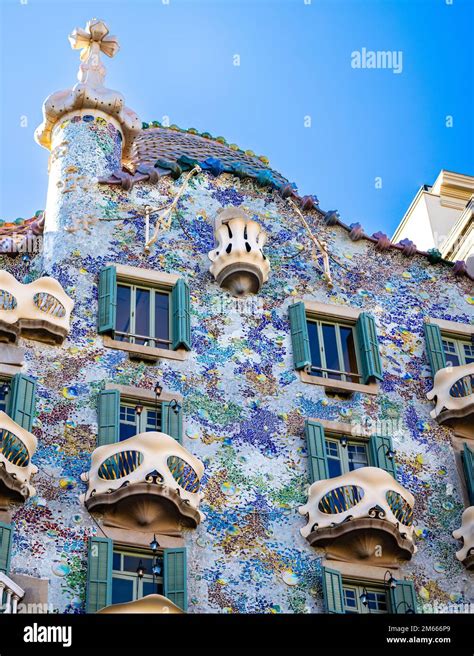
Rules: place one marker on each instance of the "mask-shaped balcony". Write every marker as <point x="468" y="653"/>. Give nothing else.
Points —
<point x="17" y="447"/>
<point x="38" y="310"/>
<point x="364" y="514"/>
<point x="466" y="534"/>
<point x="147" y="482"/>
<point x="453" y="393"/>
<point x="151" y="604"/>
<point x="238" y="262"/>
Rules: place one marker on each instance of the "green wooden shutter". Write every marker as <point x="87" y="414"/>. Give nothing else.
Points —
<point x="403" y="598"/>
<point x="332" y="591"/>
<point x="109" y="417"/>
<point x="6" y="535"/>
<point x="21" y="406"/>
<point x="180" y="302"/>
<point x="172" y="421"/>
<point x="434" y="347"/>
<point x="107" y="299"/>
<point x="316" y="447"/>
<point x="369" y="348"/>
<point x="468" y="463"/>
<point x="99" y="574"/>
<point x="174" y="576"/>
<point x="299" y="336"/>
<point x="378" y="447"/>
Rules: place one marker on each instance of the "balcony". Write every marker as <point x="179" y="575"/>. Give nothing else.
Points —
<point x="466" y="535"/>
<point x="362" y="515"/>
<point x="39" y="310"/>
<point x="10" y="595"/>
<point x="147" y="483"/>
<point x="238" y="262"/>
<point x="453" y="393"/>
<point x="17" y="447"/>
<point x="151" y="604"/>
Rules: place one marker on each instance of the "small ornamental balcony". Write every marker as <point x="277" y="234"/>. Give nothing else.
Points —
<point x="466" y="535"/>
<point x="363" y="513"/>
<point x="17" y="447"/>
<point x="38" y="310"/>
<point x="238" y="262"/>
<point x="147" y="482"/>
<point x="453" y="393"/>
<point x="10" y="595"/>
<point x="151" y="604"/>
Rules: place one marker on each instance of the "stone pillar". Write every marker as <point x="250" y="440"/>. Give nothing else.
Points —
<point x="15" y="600"/>
<point x="8" y="607"/>
<point x="2" y="588"/>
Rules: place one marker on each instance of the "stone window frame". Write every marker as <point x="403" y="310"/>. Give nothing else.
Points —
<point x="321" y="311"/>
<point x="150" y="278"/>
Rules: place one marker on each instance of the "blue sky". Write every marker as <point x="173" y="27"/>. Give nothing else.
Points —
<point x="176" y="60"/>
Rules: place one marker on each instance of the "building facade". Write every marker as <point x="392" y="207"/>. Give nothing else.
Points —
<point x="216" y="396"/>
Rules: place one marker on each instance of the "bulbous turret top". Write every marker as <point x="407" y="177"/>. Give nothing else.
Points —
<point x="90" y="92"/>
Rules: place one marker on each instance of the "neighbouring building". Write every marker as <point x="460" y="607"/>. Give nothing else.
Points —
<point x="442" y="217"/>
<point x="214" y="395"/>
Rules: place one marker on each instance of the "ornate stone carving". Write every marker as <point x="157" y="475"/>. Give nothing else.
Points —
<point x="17" y="447"/>
<point x="10" y="595"/>
<point x="90" y="93"/>
<point x="453" y="392"/>
<point x="38" y="310"/>
<point x="144" y="483"/>
<point x="238" y="262"/>
<point x="466" y="534"/>
<point x="354" y="513"/>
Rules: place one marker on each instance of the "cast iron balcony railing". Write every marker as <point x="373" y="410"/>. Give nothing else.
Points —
<point x="10" y="595"/>
<point x="17" y="447"/>
<point x="39" y="310"/>
<point x="453" y="393"/>
<point x="138" y="479"/>
<point x="357" y="512"/>
<point x="466" y="534"/>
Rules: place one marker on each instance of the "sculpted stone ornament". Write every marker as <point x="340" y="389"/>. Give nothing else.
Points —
<point x="39" y="310"/>
<point x="238" y="262"/>
<point x="17" y="447"/>
<point x="466" y="534"/>
<point x="147" y="482"/>
<point x="90" y="93"/>
<point x="356" y="513"/>
<point x="453" y="393"/>
<point x="151" y="604"/>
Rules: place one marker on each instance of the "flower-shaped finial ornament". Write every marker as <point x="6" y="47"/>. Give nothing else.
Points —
<point x="96" y="32"/>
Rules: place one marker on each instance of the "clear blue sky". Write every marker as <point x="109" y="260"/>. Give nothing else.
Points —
<point x="177" y="60"/>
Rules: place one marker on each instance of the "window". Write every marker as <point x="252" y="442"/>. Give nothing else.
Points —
<point x="335" y="347"/>
<point x="112" y="575"/>
<point x="361" y="599"/>
<point x="146" y="313"/>
<point x="4" y="394"/>
<point x="143" y="316"/>
<point x="133" y="422"/>
<point x="343" y="456"/>
<point x="333" y="350"/>
<point x="328" y="457"/>
<point x="119" y="420"/>
<point x="348" y="596"/>
<point x="458" y="351"/>
<point x="127" y="585"/>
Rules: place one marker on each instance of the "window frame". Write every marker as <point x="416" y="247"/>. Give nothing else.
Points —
<point x="151" y="340"/>
<point x="343" y="452"/>
<point x="359" y="587"/>
<point x="140" y="553"/>
<point x="323" y="371"/>
<point x="458" y="343"/>
<point x="141" y="423"/>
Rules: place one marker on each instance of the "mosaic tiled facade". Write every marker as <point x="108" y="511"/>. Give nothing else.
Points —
<point x="244" y="404"/>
